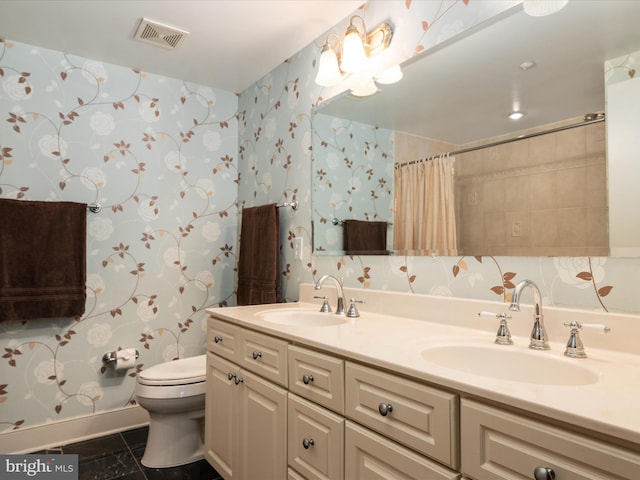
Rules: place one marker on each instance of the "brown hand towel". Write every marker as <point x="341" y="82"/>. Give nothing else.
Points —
<point x="259" y="256"/>
<point x="362" y="237"/>
<point x="42" y="259"/>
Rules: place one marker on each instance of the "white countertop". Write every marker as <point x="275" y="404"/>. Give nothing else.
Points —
<point x="609" y="406"/>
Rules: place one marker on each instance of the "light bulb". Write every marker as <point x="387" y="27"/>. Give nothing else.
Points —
<point x="364" y="88"/>
<point x="541" y="8"/>
<point x="329" y="73"/>
<point x="354" y="57"/>
<point x="391" y="75"/>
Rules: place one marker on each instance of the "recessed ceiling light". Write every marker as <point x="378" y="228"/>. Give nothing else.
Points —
<point x="527" y="65"/>
<point x="516" y="115"/>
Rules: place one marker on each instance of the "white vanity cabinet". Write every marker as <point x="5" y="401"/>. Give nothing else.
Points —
<point x="499" y="445"/>
<point x="283" y="407"/>
<point x="245" y="413"/>
<point x="369" y="456"/>
<point x="414" y="414"/>
<point x="316" y="441"/>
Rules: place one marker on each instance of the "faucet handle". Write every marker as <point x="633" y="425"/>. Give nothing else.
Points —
<point x="503" y="336"/>
<point x="325" y="308"/>
<point x="353" y="311"/>
<point x="575" y="347"/>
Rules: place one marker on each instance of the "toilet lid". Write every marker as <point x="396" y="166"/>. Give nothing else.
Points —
<point x="178" y="372"/>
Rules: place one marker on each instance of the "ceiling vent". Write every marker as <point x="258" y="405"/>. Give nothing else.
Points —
<point x="159" y="34"/>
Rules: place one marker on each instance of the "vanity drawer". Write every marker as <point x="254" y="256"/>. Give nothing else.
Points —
<point x="369" y="455"/>
<point x="416" y="415"/>
<point x="223" y="339"/>
<point x="500" y="445"/>
<point x="317" y="377"/>
<point x="264" y="355"/>
<point x="315" y="440"/>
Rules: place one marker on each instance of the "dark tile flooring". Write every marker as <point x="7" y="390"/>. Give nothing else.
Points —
<point x="118" y="456"/>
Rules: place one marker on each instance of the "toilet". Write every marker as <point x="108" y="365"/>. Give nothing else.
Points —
<point x="173" y="394"/>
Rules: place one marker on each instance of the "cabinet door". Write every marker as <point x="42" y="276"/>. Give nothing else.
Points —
<point x="263" y="429"/>
<point x="264" y="355"/>
<point x="221" y="416"/>
<point x="316" y="440"/>
<point x="317" y="377"/>
<point x="369" y="456"/>
<point x="497" y="445"/>
<point x="224" y="339"/>
<point x="418" y="416"/>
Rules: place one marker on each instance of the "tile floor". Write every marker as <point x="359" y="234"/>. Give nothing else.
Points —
<point x="118" y="456"/>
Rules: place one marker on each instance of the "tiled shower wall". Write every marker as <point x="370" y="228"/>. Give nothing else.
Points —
<point x="545" y="195"/>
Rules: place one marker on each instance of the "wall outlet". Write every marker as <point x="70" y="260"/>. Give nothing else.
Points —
<point x="516" y="229"/>
<point x="297" y="248"/>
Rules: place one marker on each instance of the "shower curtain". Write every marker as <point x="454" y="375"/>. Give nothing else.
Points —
<point x="424" y="208"/>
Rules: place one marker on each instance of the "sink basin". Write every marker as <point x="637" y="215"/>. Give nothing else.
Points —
<point x="302" y="318"/>
<point x="507" y="363"/>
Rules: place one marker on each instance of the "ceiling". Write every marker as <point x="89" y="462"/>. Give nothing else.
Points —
<point x="462" y="91"/>
<point x="231" y="43"/>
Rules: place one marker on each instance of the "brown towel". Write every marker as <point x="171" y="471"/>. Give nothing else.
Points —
<point x="259" y="257"/>
<point x="361" y="237"/>
<point x="42" y="259"/>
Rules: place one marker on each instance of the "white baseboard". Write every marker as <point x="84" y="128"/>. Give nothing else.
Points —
<point x="33" y="439"/>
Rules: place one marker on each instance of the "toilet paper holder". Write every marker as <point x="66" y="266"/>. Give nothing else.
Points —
<point x="109" y="358"/>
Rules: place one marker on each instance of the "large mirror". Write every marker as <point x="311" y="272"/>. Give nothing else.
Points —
<point x="531" y="187"/>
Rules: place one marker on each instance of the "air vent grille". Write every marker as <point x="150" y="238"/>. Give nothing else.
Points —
<point x="159" y="34"/>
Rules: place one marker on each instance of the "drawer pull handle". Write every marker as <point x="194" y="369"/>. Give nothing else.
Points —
<point x="257" y="355"/>
<point x="307" y="442"/>
<point x="544" y="473"/>
<point x="307" y="379"/>
<point x="385" y="408"/>
<point x="217" y="339"/>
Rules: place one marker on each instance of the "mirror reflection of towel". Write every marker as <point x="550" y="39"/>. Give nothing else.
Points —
<point x="42" y="259"/>
<point x="259" y="256"/>
<point x="362" y="237"/>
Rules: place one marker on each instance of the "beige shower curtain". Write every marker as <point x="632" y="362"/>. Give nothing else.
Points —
<point x="425" y="221"/>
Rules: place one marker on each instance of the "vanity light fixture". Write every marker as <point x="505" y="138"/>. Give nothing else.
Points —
<point x="351" y="56"/>
<point x="542" y="8"/>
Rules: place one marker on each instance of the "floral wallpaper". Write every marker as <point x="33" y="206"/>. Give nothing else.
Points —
<point x="160" y="156"/>
<point x="274" y="139"/>
<point x="365" y="194"/>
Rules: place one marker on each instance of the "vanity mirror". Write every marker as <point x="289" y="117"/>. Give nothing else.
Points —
<point x="508" y="197"/>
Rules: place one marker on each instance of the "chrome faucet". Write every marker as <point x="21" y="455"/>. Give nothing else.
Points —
<point x="340" y="307"/>
<point x="538" y="339"/>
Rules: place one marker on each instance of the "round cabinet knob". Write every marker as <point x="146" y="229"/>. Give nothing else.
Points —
<point x="385" y="408"/>
<point x="257" y="355"/>
<point x="544" y="473"/>
<point x="238" y="380"/>
<point x="231" y="375"/>
<point x="307" y="379"/>
<point x="217" y="339"/>
<point x="307" y="442"/>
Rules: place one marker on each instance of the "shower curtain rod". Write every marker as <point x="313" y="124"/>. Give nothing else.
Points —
<point x="587" y="121"/>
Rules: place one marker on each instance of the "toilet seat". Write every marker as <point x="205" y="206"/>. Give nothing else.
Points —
<point x="185" y="371"/>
